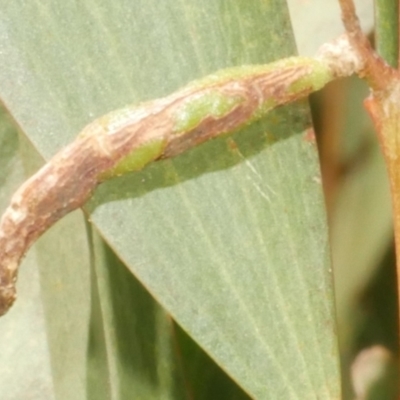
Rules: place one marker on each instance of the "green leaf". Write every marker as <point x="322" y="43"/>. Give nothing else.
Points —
<point x="230" y="238"/>
<point x="387" y="30"/>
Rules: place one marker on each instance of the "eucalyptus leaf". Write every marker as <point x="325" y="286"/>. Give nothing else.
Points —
<point x="230" y="238"/>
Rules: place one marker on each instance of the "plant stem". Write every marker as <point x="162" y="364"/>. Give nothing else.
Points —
<point x="376" y="71"/>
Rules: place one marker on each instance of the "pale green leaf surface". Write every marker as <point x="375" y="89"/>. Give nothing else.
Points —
<point x="138" y="335"/>
<point x="135" y="342"/>
<point x="231" y="237"/>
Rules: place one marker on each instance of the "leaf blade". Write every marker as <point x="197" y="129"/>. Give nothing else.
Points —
<point x="165" y="53"/>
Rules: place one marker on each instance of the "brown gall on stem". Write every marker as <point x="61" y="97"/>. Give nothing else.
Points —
<point x="68" y="179"/>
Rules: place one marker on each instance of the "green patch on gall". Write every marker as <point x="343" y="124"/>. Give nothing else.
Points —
<point x="136" y="160"/>
<point x="211" y="104"/>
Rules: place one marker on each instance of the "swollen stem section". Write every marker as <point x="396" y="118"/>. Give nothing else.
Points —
<point x="128" y="139"/>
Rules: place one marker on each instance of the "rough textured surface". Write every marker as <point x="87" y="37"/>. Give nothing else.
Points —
<point x="341" y="57"/>
<point x="69" y="178"/>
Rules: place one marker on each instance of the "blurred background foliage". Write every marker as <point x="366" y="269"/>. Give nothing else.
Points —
<point x="358" y="205"/>
<point x="359" y="210"/>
